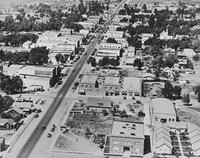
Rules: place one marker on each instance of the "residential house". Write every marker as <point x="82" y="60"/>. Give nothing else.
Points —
<point x="125" y="139"/>
<point x="165" y="35"/>
<point x="146" y="36"/>
<point x="15" y="113"/>
<point x="98" y="104"/>
<point x="111" y="86"/>
<point x="132" y="86"/>
<point x="84" y="32"/>
<point x="6" y="124"/>
<point x="163" y="110"/>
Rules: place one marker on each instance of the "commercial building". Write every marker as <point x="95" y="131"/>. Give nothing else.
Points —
<point x="113" y="34"/>
<point x="126" y="139"/>
<point x="88" y="82"/>
<point x="132" y="86"/>
<point x="162" y="141"/>
<point x="163" y="110"/>
<point x="36" y="76"/>
<point x="98" y="104"/>
<point x="114" y="46"/>
<point x="64" y="49"/>
<point x="112" y="86"/>
<point x="111" y="53"/>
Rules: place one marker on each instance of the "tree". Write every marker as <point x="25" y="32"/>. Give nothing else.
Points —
<point x="38" y="56"/>
<point x="186" y="98"/>
<point x="122" y="12"/>
<point x="124" y="20"/>
<point x="177" y="91"/>
<point x="138" y="62"/>
<point x="82" y="9"/>
<point x="96" y="84"/>
<point x="196" y="57"/>
<point x="105" y="112"/>
<point x="111" y="40"/>
<point x="123" y="113"/>
<point x="93" y="62"/>
<point x="141" y="114"/>
<point x="144" y="7"/>
<point x="168" y="90"/>
<point x="114" y="62"/>
<point x="60" y="58"/>
<point x="135" y="41"/>
<point x="7" y="102"/>
<point x="121" y="52"/>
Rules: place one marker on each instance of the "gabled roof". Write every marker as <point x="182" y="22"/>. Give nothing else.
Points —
<point x="194" y="133"/>
<point x="162" y="142"/>
<point x="3" y="121"/>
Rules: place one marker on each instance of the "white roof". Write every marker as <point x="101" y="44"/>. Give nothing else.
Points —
<point x="132" y="83"/>
<point x="89" y="79"/>
<point x="128" y="129"/>
<point x="188" y="52"/>
<point x="163" y="106"/>
<point x="112" y="80"/>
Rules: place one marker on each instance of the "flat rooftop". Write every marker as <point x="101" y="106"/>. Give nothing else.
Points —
<point x="127" y="129"/>
<point x="89" y="79"/>
<point x="132" y="83"/>
<point x="163" y="106"/>
<point x="112" y="80"/>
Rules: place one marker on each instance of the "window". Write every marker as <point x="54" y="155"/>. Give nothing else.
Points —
<point x="133" y="134"/>
<point x="121" y="132"/>
<point x="123" y="126"/>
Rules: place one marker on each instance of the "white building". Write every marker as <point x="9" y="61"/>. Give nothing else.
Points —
<point x="163" y="110"/>
<point x="132" y="86"/>
<point x="113" y="34"/>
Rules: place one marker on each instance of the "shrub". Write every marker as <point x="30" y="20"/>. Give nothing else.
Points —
<point x="196" y="57"/>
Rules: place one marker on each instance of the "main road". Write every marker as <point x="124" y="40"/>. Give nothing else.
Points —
<point x="25" y="149"/>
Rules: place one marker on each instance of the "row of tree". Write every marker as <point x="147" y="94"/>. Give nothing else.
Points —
<point x="37" y="56"/>
<point x="17" y="39"/>
<point x="11" y="84"/>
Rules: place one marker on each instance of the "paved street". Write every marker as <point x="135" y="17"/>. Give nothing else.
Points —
<point x="34" y="135"/>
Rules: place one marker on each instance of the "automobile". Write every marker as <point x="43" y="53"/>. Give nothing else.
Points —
<point x="53" y="129"/>
<point x="49" y="135"/>
<point x="43" y="127"/>
<point x="36" y="115"/>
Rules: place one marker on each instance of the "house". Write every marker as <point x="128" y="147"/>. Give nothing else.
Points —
<point x="66" y="31"/>
<point x="163" y="110"/>
<point x="6" y="124"/>
<point x="15" y="113"/>
<point x="165" y="35"/>
<point x="126" y="139"/>
<point x="146" y="36"/>
<point x="87" y="25"/>
<point x="111" y="86"/>
<point x="131" y="52"/>
<point x="84" y="32"/>
<point x="113" y="27"/>
<point x="2" y="144"/>
<point x="99" y="104"/>
<point x="132" y="86"/>
<point x="188" y="52"/>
